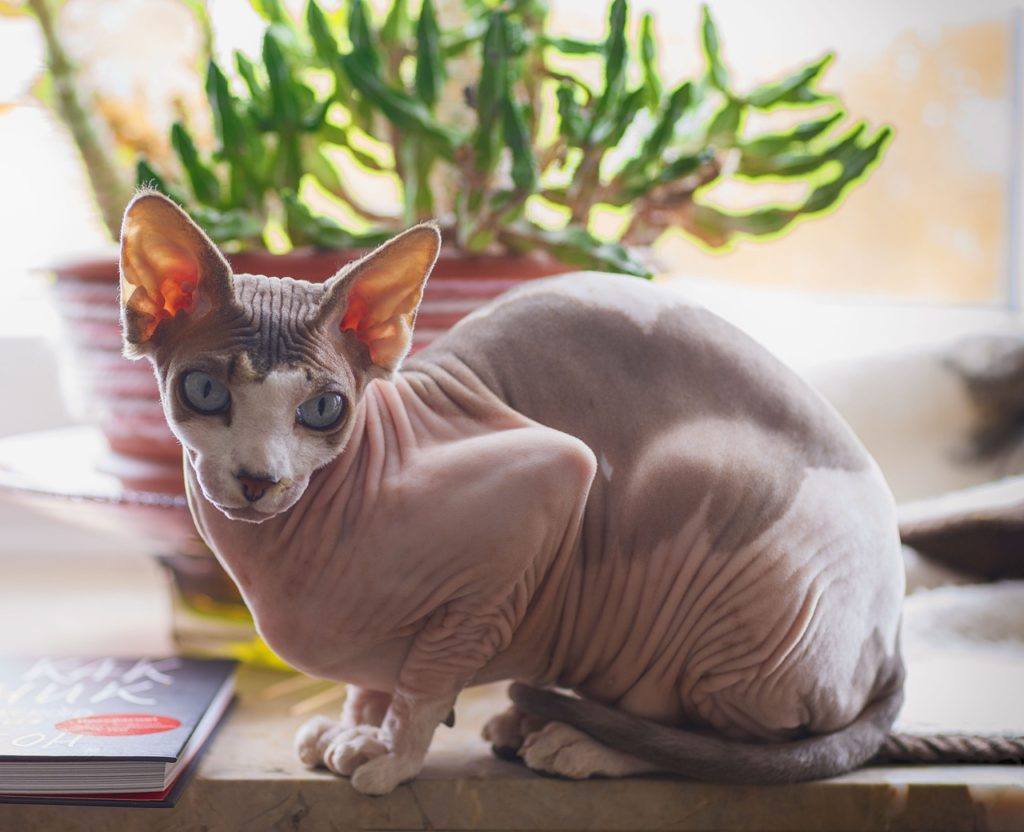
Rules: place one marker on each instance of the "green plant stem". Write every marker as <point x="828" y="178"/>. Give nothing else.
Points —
<point x="586" y="182"/>
<point x="110" y="185"/>
<point x="588" y="95"/>
<point x="659" y="210"/>
<point x="552" y="154"/>
<point x="489" y="222"/>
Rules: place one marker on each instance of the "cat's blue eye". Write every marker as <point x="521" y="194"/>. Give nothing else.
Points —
<point x="321" y="412"/>
<point x="204" y="393"/>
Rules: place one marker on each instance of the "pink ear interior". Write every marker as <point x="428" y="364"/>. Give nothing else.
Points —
<point x="371" y="316"/>
<point x="177" y="286"/>
<point x="384" y="292"/>
<point x="166" y="285"/>
<point x="166" y="264"/>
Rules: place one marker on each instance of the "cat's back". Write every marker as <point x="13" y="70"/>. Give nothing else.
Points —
<point x="617" y="361"/>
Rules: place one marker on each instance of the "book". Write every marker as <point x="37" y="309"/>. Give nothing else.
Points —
<point x="104" y="729"/>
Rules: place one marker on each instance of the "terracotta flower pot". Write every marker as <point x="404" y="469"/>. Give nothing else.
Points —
<point x="121" y="396"/>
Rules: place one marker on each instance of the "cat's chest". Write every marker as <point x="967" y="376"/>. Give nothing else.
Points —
<point x="334" y="591"/>
<point x="320" y="617"/>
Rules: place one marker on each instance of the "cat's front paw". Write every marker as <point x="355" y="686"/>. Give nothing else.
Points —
<point x="313" y="737"/>
<point x="359" y="752"/>
<point x="353" y="747"/>
<point x="382" y="774"/>
<point x="336" y="746"/>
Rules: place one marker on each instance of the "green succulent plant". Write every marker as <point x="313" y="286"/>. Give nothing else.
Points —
<point x="491" y="126"/>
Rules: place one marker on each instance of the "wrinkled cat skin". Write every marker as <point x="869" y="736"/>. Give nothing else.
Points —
<point x="588" y="484"/>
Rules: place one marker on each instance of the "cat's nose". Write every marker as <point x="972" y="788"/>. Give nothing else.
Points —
<point x="254" y="487"/>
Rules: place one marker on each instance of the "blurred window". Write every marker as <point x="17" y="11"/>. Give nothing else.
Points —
<point x="939" y="220"/>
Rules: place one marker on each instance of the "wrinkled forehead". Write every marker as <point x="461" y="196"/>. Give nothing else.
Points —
<point x="273" y="324"/>
<point x="278" y="326"/>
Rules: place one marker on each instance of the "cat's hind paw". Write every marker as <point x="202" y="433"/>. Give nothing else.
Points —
<point x="506" y="731"/>
<point x="560" y="749"/>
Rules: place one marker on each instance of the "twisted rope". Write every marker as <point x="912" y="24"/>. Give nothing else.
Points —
<point x="951" y="748"/>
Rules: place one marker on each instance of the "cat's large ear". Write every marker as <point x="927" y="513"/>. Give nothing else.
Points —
<point x="376" y="298"/>
<point x="169" y="267"/>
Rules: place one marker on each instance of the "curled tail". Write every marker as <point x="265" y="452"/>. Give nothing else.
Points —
<point x="703" y="757"/>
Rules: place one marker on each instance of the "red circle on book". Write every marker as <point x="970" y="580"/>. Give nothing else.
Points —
<point x="118" y="725"/>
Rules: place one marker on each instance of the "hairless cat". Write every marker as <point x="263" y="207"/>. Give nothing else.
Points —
<point x="589" y="484"/>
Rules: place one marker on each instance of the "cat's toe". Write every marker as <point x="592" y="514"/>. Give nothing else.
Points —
<point x="312" y="737"/>
<point x="352" y="748"/>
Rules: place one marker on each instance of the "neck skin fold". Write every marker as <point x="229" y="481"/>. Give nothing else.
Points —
<point x="394" y="420"/>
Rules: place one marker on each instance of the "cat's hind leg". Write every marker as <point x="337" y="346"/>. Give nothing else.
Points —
<point x="560" y="749"/>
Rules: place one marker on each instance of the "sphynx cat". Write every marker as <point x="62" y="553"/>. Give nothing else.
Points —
<point x="588" y="484"/>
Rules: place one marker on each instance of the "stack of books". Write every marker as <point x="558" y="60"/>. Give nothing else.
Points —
<point x="106" y="730"/>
